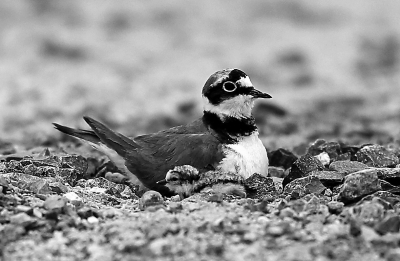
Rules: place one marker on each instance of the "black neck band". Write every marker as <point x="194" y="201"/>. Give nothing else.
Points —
<point x="229" y="128"/>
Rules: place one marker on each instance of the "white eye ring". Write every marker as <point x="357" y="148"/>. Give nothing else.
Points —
<point x="229" y="86"/>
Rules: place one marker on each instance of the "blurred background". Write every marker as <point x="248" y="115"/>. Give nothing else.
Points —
<point x="332" y="67"/>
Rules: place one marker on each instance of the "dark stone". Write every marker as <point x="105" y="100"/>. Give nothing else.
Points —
<point x="392" y="175"/>
<point x="55" y="203"/>
<point x="387" y="199"/>
<point x="345" y="156"/>
<point x="215" y="197"/>
<point x="329" y="178"/>
<point x="68" y="175"/>
<point x="175" y="207"/>
<point x="347" y="167"/>
<point x="319" y="146"/>
<point x="39" y="186"/>
<point x="377" y="156"/>
<point x="359" y="184"/>
<point x="335" y="207"/>
<point x="276" y="172"/>
<point x="302" y="167"/>
<point x="305" y="185"/>
<point x="388" y="224"/>
<point x="151" y="198"/>
<point x="260" y="187"/>
<point x="369" y="212"/>
<point x="76" y="162"/>
<point x="281" y="158"/>
<point x="350" y="149"/>
<point x="58" y="187"/>
<point x="22" y="219"/>
<point x="86" y="212"/>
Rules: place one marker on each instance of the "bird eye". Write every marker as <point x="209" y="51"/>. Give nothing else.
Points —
<point x="229" y="86"/>
<point x="173" y="179"/>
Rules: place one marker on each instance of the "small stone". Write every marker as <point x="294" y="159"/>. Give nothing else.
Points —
<point x="282" y="158"/>
<point x="391" y="175"/>
<point x="56" y="203"/>
<point x="68" y="175"/>
<point x="216" y="197"/>
<point x="175" y="207"/>
<point x="260" y="187"/>
<point x="302" y="167"/>
<point x="377" y="156"/>
<point x="347" y="167"/>
<point x="76" y="162"/>
<point x="332" y="149"/>
<point x="92" y="220"/>
<point x="287" y="212"/>
<point x="175" y="198"/>
<point x="21" y="219"/>
<point x="329" y="178"/>
<point x="86" y="212"/>
<point x="278" y="229"/>
<point x="37" y="213"/>
<point x="150" y="198"/>
<point x="22" y="208"/>
<point x="58" y="187"/>
<point x="116" y="177"/>
<point x="307" y="185"/>
<point x="277" y="172"/>
<point x="369" y="213"/>
<point x="73" y="198"/>
<point x="335" y="207"/>
<point x="40" y="186"/>
<point x="110" y="213"/>
<point x="359" y="184"/>
<point x="393" y="254"/>
<point x="324" y="158"/>
<point x="388" y="224"/>
<point x="98" y="190"/>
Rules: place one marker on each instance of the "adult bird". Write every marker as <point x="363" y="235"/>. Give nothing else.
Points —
<point x="224" y="139"/>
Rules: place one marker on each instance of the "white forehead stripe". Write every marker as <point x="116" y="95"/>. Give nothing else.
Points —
<point x="245" y="82"/>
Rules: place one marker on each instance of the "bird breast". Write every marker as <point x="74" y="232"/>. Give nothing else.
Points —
<point x="246" y="157"/>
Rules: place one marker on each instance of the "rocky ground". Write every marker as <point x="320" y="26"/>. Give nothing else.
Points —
<point x="335" y="202"/>
<point x="331" y="129"/>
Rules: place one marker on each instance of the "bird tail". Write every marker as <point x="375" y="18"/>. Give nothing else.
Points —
<point x="114" y="140"/>
<point x="85" y="135"/>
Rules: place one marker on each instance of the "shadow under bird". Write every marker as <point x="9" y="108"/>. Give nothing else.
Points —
<point x="224" y="139"/>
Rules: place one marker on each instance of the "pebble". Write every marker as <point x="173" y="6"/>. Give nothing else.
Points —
<point x="281" y="158"/>
<point x="149" y="199"/>
<point x="260" y="187"/>
<point x="302" y="167"/>
<point x="55" y="202"/>
<point x="329" y="178"/>
<point x="324" y="158"/>
<point x="73" y="198"/>
<point x="347" y="167"/>
<point x="306" y="185"/>
<point x="21" y="219"/>
<point x="359" y="184"/>
<point x="335" y="207"/>
<point x="377" y="156"/>
<point x="388" y="224"/>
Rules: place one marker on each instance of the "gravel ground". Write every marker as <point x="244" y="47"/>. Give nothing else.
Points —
<point x="331" y="129"/>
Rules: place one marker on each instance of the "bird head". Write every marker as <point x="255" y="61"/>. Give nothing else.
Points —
<point x="230" y="93"/>
<point x="181" y="180"/>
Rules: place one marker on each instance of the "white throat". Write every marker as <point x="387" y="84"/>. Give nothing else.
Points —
<point x="237" y="107"/>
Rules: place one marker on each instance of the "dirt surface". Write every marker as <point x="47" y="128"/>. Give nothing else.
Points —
<point x="331" y="68"/>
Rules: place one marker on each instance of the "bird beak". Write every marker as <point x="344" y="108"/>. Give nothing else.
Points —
<point x="162" y="182"/>
<point x="258" y="94"/>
